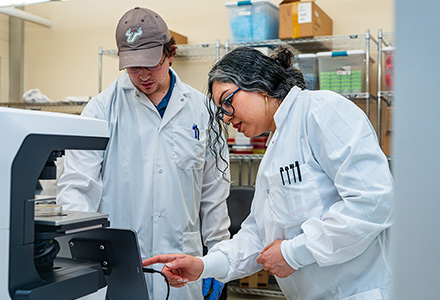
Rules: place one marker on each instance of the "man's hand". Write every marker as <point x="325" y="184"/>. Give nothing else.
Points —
<point x="215" y="285"/>
<point x="273" y="261"/>
<point x="179" y="268"/>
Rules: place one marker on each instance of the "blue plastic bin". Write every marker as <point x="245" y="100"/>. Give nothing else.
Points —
<point x="252" y="20"/>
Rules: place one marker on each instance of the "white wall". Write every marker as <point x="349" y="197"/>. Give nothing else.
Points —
<point x="4" y="57"/>
<point x="63" y="60"/>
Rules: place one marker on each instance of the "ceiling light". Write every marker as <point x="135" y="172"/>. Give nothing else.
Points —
<point x="23" y="2"/>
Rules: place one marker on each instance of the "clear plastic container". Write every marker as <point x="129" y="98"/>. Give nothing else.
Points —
<point x="308" y="64"/>
<point x="252" y="20"/>
<point x="388" y="66"/>
<point x="342" y="71"/>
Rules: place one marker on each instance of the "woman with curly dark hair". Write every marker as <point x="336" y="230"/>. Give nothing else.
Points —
<point x="323" y="194"/>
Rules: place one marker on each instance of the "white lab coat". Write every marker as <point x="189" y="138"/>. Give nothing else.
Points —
<point x="334" y="222"/>
<point x="155" y="176"/>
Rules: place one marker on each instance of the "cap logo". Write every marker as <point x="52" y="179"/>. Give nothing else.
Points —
<point x="132" y="36"/>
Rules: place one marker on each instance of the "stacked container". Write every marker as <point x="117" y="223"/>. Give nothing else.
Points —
<point x="308" y="64"/>
<point x="342" y="71"/>
<point x="388" y="53"/>
<point x="242" y="144"/>
<point x="252" y="20"/>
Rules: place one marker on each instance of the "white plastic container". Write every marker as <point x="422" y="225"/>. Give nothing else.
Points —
<point x="308" y="64"/>
<point x="388" y="67"/>
<point x="252" y="20"/>
<point x="343" y="71"/>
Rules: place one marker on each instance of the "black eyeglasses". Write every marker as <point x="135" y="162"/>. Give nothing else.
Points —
<point x="226" y="107"/>
<point x="137" y="70"/>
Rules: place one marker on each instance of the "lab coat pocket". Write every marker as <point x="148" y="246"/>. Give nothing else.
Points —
<point x="368" y="295"/>
<point x="292" y="204"/>
<point x="189" y="148"/>
<point x="192" y="243"/>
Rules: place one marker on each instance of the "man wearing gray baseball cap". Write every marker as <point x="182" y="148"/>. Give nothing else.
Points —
<point x="156" y="176"/>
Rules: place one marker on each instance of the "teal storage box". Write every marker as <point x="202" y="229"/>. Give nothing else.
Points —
<point x="252" y="20"/>
<point x="343" y="71"/>
<point x="308" y="64"/>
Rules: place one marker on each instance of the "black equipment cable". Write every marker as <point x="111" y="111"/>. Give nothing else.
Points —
<point x="148" y="270"/>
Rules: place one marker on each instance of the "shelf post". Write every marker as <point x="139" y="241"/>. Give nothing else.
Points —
<point x="379" y="86"/>
<point x="100" y="70"/>
<point x="367" y="70"/>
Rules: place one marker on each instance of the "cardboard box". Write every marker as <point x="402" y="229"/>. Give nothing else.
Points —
<point x="257" y="280"/>
<point x="303" y="19"/>
<point x="387" y="143"/>
<point x="180" y="39"/>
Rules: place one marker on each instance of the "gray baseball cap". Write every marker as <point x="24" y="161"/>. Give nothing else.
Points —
<point x="140" y="36"/>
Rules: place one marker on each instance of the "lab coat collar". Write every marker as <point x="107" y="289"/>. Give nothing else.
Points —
<point x="178" y="99"/>
<point x="283" y="110"/>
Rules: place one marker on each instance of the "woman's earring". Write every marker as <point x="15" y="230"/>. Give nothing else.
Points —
<point x="267" y="105"/>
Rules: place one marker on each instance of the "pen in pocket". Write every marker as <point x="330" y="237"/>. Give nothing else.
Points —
<point x="196" y="132"/>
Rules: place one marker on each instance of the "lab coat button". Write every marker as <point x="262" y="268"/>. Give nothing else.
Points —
<point x="181" y="100"/>
<point x="159" y="215"/>
<point x="267" y="191"/>
<point x="160" y="171"/>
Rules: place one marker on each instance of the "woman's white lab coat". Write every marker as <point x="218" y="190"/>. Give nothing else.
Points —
<point x="156" y="176"/>
<point x="334" y="221"/>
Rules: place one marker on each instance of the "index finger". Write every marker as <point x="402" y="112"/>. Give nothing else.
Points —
<point x="164" y="258"/>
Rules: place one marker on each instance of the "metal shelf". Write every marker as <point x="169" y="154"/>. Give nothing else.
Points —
<point x="313" y="44"/>
<point x="238" y="157"/>
<point x="387" y="96"/>
<point x="387" y="39"/>
<point x="272" y="291"/>
<point x="184" y="52"/>
<point x="73" y="107"/>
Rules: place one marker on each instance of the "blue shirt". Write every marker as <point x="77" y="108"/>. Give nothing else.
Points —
<point x="164" y="103"/>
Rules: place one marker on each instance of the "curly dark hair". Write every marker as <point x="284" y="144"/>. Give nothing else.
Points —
<point x="251" y="71"/>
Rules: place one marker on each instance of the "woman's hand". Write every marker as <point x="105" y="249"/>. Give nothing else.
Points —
<point x="273" y="261"/>
<point x="179" y="268"/>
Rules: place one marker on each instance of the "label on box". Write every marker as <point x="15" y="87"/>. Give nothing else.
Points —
<point x="344" y="70"/>
<point x="304" y="12"/>
<point x="244" y="13"/>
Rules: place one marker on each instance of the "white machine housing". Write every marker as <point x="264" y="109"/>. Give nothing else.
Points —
<point x="28" y="138"/>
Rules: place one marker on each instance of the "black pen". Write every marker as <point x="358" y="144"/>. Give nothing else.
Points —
<point x="287" y="171"/>
<point x="281" y="173"/>
<point x="299" y="171"/>
<point x="292" y="167"/>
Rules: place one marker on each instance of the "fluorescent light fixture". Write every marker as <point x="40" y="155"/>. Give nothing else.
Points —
<point x="5" y="3"/>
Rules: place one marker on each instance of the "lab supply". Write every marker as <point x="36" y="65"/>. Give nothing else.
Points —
<point x="35" y="96"/>
<point x="343" y="71"/>
<point x="242" y="149"/>
<point x="308" y="64"/>
<point x="388" y="53"/>
<point x="252" y="20"/>
<point x="259" y="144"/>
<point x="303" y="19"/>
